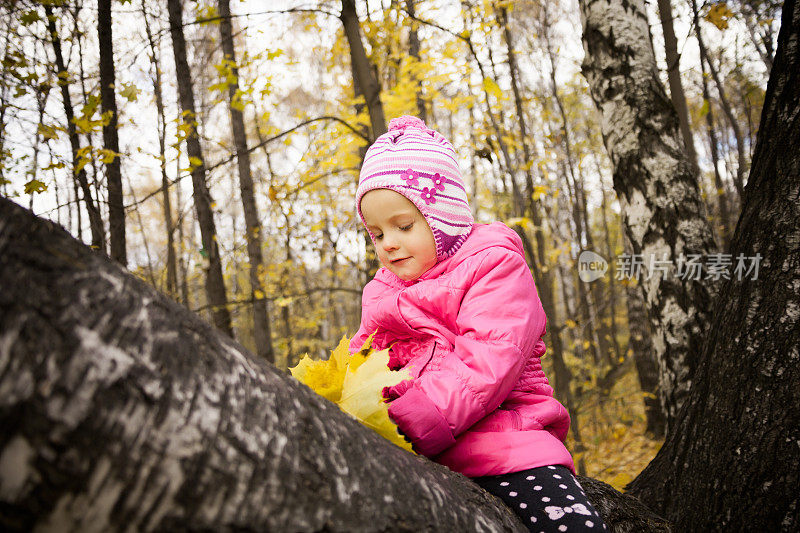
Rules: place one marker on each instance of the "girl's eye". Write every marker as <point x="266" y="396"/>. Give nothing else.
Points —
<point x="378" y="237"/>
<point x="406" y="228"/>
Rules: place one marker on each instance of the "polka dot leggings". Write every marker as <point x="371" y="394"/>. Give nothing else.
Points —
<point x="546" y="499"/>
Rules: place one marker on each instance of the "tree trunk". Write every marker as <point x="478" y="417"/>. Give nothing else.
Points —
<point x="362" y="69"/>
<point x="215" y="284"/>
<point x="735" y="449"/>
<point x="609" y="252"/>
<point x="261" y="328"/>
<point x="413" y="51"/>
<point x="116" y="209"/>
<point x="365" y="83"/>
<point x="33" y="172"/>
<point x="741" y="165"/>
<point x="721" y="190"/>
<point x="183" y="267"/>
<point x="172" y="269"/>
<point x="641" y="344"/>
<point x="658" y="192"/>
<point x="89" y="134"/>
<point x="78" y="172"/>
<point x="674" y="75"/>
<point x="122" y="410"/>
<point x="543" y="275"/>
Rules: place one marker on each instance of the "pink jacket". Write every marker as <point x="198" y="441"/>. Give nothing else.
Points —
<point x="470" y="332"/>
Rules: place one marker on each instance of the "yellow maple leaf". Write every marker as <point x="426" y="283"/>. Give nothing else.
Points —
<point x="362" y="398"/>
<point x="325" y="377"/>
<point x="355" y="383"/>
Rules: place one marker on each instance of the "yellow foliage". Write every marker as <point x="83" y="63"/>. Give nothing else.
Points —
<point x="525" y="222"/>
<point x="616" y="447"/>
<point x="325" y="377"/>
<point x="355" y="383"/>
<point x="539" y="191"/>
<point x="718" y="15"/>
<point x="492" y="88"/>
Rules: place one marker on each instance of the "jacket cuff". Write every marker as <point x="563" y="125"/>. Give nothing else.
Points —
<point x="422" y="422"/>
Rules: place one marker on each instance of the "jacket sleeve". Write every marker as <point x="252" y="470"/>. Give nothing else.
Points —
<point x="379" y="313"/>
<point x="498" y="324"/>
<point x="368" y="326"/>
<point x="359" y="338"/>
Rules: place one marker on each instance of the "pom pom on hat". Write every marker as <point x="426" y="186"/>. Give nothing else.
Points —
<point x="420" y="164"/>
<point x="407" y="121"/>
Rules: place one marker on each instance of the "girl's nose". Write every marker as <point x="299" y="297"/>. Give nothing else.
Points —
<point x="389" y="242"/>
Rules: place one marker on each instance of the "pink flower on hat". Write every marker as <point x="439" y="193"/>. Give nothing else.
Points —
<point x="428" y="195"/>
<point x="410" y="177"/>
<point x="438" y="181"/>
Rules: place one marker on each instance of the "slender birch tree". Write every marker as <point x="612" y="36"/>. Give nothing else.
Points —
<point x="676" y="93"/>
<point x="214" y="282"/>
<point x="155" y="58"/>
<point x="261" y="327"/>
<point x="78" y="169"/>
<point x="116" y="208"/>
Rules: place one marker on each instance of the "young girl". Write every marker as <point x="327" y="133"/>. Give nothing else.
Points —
<point x="456" y="304"/>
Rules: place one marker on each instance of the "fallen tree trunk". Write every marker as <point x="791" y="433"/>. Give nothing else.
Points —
<point x="122" y="410"/>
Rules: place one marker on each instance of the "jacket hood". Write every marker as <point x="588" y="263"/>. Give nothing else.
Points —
<point x="481" y="237"/>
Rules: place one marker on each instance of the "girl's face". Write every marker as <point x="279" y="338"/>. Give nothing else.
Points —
<point x="403" y="239"/>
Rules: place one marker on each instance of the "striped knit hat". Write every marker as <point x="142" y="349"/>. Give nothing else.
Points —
<point x="420" y="164"/>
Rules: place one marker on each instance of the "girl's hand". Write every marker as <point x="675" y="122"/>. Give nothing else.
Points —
<point x="394" y="361"/>
<point x="395" y="391"/>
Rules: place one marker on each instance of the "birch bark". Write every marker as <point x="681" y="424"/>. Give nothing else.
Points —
<point x="121" y="410"/>
<point x="658" y="192"/>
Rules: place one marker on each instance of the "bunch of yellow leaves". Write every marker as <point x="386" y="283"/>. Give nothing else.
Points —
<point x="355" y="383"/>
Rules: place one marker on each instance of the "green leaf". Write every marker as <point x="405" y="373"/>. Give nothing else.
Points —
<point x="130" y="92"/>
<point x="29" y="17"/>
<point x="704" y="109"/>
<point x="107" y="156"/>
<point x="34" y="186"/>
<point x="47" y="132"/>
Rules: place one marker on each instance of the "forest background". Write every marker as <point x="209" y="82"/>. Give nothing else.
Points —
<point x="267" y="246"/>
